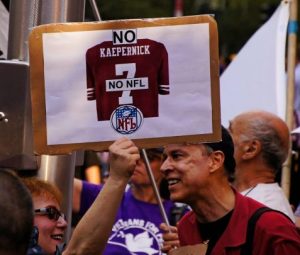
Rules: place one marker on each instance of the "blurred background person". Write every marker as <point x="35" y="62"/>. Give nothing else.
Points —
<point x="261" y="146"/>
<point x="94" y="167"/>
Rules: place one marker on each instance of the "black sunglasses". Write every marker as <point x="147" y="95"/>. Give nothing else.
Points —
<point x="51" y="212"/>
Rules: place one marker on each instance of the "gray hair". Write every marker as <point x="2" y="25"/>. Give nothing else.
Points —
<point x="273" y="151"/>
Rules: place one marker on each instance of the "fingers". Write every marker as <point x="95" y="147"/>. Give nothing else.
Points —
<point x="170" y="237"/>
<point x="165" y="228"/>
<point x="125" y="144"/>
<point x="166" y="248"/>
<point x="123" y="157"/>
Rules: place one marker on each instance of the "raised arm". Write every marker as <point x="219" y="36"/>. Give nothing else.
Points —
<point x="91" y="233"/>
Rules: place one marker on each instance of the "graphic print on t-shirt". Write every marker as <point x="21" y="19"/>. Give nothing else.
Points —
<point x="136" y="236"/>
<point x="127" y="71"/>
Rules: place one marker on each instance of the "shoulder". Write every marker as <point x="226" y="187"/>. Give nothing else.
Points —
<point x="189" y="219"/>
<point x="275" y="232"/>
<point x="275" y="221"/>
<point x="91" y="50"/>
<point x="153" y="43"/>
<point x="267" y="189"/>
<point x="271" y="195"/>
<point x="90" y="188"/>
<point x="246" y="204"/>
<point x="95" y="49"/>
<point x="188" y="224"/>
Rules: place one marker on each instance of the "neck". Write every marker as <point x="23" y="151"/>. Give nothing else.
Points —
<point x="144" y="193"/>
<point x="250" y="177"/>
<point x="216" y="203"/>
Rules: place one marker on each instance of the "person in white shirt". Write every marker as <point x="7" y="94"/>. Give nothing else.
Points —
<point x="261" y="143"/>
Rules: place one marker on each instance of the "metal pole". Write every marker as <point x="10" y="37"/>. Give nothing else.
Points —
<point x="95" y="10"/>
<point x="21" y="21"/>
<point x="60" y="169"/>
<point x="24" y="15"/>
<point x="15" y="75"/>
<point x="156" y="192"/>
<point x="291" y="63"/>
<point x="57" y="11"/>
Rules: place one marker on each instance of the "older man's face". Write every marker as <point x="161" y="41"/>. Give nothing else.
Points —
<point x="186" y="168"/>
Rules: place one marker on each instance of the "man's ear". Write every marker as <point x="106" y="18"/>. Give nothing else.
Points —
<point x="217" y="160"/>
<point x="251" y="149"/>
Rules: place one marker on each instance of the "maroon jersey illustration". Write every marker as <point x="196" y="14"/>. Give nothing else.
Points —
<point x="127" y="74"/>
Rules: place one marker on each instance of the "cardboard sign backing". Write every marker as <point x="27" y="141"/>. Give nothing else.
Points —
<point x="153" y="80"/>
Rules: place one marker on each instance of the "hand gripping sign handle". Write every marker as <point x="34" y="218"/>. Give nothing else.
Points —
<point x="149" y="170"/>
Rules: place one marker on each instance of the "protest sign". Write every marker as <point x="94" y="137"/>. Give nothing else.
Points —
<point x="153" y="80"/>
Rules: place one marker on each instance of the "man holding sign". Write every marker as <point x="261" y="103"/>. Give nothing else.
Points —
<point x="136" y="227"/>
<point x="198" y="175"/>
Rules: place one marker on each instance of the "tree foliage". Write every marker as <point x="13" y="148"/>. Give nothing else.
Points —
<point x="237" y="19"/>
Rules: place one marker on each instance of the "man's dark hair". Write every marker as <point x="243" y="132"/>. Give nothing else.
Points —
<point x="227" y="147"/>
<point x="16" y="214"/>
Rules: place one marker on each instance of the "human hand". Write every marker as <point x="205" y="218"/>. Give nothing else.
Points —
<point x="123" y="157"/>
<point x="170" y="237"/>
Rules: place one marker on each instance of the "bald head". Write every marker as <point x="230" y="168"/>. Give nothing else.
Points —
<point x="267" y="128"/>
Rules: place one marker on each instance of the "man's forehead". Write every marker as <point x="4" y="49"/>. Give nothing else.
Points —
<point x="173" y="146"/>
<point x="181" y="146"/>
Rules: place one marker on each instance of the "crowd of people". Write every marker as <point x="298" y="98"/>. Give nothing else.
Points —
<point x="198" y="174"/>
<point x="20" y="210"/>
<point x="136" y="228"/>
<point x="212" y="193"/>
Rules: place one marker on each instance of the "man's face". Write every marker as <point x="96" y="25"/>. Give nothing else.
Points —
<point x="186" y="168"/>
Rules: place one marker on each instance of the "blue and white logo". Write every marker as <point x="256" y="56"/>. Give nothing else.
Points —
<point x="126" y="119"/>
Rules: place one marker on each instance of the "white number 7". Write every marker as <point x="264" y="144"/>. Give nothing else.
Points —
<point x="130" y="69"/>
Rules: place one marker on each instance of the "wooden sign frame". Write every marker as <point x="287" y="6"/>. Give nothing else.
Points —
<point x="37" y="78"/>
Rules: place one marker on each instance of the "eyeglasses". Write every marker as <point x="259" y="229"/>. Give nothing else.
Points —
<point x="51" y="212"/>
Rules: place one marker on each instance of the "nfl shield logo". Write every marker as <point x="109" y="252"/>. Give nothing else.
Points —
<point x="126" y="119"/>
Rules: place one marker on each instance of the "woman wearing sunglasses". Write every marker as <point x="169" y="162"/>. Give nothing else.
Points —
<point x="49" y="220"/>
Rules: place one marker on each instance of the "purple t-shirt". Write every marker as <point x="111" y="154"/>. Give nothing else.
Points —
<point x="136" y="229"/>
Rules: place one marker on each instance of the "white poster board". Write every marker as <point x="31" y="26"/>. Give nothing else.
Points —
<point x="155" y="81"/>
